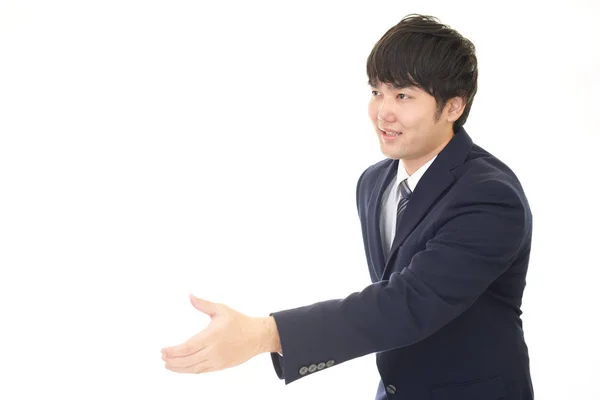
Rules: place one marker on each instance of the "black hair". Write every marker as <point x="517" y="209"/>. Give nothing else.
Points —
<point x="422" y="52"/>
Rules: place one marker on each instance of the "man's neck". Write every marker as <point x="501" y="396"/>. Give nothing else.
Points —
<point x="413" y="165"/>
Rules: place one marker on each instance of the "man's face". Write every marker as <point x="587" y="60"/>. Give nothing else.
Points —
<point x="412" y="113"/>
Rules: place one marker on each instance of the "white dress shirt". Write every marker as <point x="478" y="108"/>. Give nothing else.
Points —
<point x="390" y="199"/>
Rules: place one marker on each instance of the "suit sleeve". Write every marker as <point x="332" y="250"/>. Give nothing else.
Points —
<point x="475" y="244"/>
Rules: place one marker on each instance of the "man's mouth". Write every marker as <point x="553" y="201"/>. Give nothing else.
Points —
<point x="390" y="134"/>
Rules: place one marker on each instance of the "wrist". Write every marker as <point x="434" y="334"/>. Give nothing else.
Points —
<point x="268" y="337"/>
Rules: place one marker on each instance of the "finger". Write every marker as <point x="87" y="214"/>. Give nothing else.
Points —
<point x="180" y="350"/>
<point x="204" y="306"/>
<point x="205" y="367"/>
<point x="202" y="366"/>
<point x="186" y="348"/>
<point x="186" y="361"/>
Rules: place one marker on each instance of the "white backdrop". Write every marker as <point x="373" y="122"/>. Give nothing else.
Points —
<point x="150" y="149"/>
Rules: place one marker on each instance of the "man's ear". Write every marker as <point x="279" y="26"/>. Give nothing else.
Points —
<point x="455" y="108"/>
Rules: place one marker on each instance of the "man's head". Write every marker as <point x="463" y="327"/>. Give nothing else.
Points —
<point x="424" y="77"/>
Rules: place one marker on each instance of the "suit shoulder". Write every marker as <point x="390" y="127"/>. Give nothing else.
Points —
<point x="483" y="174"/>
<point x="375" y="169"/>
<point x="481" y="165"/>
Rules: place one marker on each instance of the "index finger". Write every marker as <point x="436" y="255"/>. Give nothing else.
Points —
<point x="186" y="348"/>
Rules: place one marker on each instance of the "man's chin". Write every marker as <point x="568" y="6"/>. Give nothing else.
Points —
<point x="396" y="155"/>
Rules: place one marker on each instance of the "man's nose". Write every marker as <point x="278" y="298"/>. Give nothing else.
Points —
<point x="385" y="114"/>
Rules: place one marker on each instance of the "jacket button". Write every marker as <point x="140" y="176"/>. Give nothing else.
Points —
<point x="329" y="363"/>
<point x="391" y="389"/>
<point x="312" y="368"/>
<point x="303" y="371"/>
<point x="320" y="366"/>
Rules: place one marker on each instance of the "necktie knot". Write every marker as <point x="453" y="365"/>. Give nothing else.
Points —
<point x="405" y="191"/>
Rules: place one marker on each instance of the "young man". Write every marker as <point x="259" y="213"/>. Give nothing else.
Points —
<point x="447" y="235"/>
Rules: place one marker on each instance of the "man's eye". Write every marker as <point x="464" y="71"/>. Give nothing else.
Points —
<point x="402" y="96"/>
<point x="374" y="92"/>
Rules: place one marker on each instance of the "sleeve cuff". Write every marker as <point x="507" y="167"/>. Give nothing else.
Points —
<point x="278" y="364"/>
<point x="277" y="359"/>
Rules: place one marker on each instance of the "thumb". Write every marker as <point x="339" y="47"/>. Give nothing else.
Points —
<point x="203" y="306"/>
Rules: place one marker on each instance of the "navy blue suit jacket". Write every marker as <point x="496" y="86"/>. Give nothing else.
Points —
<point x="443" y="311"/>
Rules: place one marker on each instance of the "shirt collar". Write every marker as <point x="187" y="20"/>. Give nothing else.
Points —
<point x="414" y="178"/>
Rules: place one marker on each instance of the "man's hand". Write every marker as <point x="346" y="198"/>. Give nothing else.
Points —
<point x="230" y="339"/>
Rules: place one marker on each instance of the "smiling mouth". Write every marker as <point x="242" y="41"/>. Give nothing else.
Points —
<point x="390" y="134"/>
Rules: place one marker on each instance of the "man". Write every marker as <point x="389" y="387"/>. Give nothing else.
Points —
<point x="447" y="235"/>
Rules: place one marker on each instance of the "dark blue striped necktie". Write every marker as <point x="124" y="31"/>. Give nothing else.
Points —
<point x="405" y="192"/>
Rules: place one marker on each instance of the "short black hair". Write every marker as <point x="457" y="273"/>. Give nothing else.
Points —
<point x="420" y="51"/>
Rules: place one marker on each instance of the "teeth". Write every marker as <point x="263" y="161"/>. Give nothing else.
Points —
<point x="393" y="133"/>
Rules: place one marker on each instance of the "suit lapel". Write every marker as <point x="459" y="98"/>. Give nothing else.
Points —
<point x="374" y="211"/>
<point x="436" y="180"/>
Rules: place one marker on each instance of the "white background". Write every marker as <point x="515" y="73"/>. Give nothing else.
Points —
<point x="150" y="149"/>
